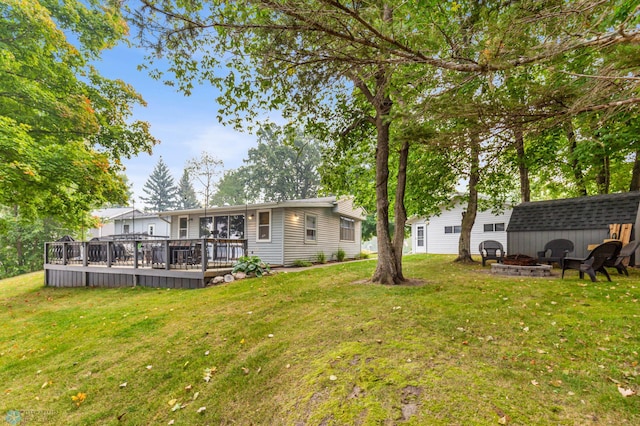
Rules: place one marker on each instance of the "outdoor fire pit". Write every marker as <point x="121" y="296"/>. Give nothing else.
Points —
<point x="521" y="265"/>
<point x="519" y="260"/>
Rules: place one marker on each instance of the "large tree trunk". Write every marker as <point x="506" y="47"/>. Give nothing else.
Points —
<point x="386" y="270"/>
<point x="575" y="165"/>
<point x="469" y="217"/>
<point x="635" y="176"/>
<point x="525" y="189"/>
<point x="400" y="212"/>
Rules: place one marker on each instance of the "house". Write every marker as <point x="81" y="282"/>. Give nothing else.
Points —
<point x="206" y="243"/>
<point x="584" y="221"/>
<point x="440" y="234"/>
<point x="118" y="221"/>
<point x="278" y="232"/>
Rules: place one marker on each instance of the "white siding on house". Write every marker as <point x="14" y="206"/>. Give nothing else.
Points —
<point x="439" y="242"/>
<point x="328" y="236"/>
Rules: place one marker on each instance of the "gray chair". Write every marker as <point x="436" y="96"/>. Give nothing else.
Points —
<point x="595" y="260"/>
<point x="555" y="251"/>
<point x="489" y="251"/>
<point x="625" y="253"/>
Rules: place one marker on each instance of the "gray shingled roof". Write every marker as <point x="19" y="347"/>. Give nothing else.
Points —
<point x="595" y="212"/>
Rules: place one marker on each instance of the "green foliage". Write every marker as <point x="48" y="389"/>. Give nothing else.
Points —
<point x="283" y="166"/>
<point x="321" y="257"/>
<point x="22" y="241"/>
<point x="301" y="263"/>
<point x="231" y="189"/>
<point x="186" y="195"/>
<point x="160" y="189"/>
<point x="251" y="265"/>
<point x="340" y="255"/>
<point x="364" y="255"/>
<point x="63" y="127"/>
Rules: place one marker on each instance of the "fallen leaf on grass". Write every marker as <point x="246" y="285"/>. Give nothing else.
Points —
<point x="535" y="383"/>
<point x="208" y="372"/>
<point x="201" y="410"/>
<point x="188" y="388"/>
<point x="176" y="407"/>
<point x="79" y="398"/>
<point x="245" y="370"/>
<point x="172" y="402"/>
<point x="626" y="392"/>
<point x="195" y="395"/>
<point x="123" y="385"/>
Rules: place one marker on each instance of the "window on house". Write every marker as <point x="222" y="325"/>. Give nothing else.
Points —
<point x="183" y="227"/>
<point x="151" y="229"/>
<point x="347" y="229"/>
<point x="311" y="228"/>
<point x="264" y="225"/>
<point x="452" y="229"/>
<point x="206" y="227"/>
<point x="125" y="228"/>
<point x="493" y="227"/>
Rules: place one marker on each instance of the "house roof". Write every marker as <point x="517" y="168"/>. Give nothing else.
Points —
<point x="595" y="212"/>
<point x="328" y="202"/>
<point x="114" y="212"/>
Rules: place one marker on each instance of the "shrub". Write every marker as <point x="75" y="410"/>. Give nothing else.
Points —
<point x="301" y="263"/>
<point x="321" y="258"/>
<point x="340" y="255"/>
<point x="251" y="265"/>
<point x="364" y="255"/>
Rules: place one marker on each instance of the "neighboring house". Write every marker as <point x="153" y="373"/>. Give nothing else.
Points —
<point x="280" y="232"/>
<point x="583" y="220"/>
<point x="127" y="220"/>
<point x="441" y="234"/>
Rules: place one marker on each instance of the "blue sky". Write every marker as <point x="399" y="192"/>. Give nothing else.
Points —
<point x="185" y="126"/>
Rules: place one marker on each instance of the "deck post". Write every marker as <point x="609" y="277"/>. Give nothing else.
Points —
<point x="203" y="255"/>
<point x="109" y="259"/>
<point x="167" y="255"/>
<point x="46" y="254"/>
<point x="85" y="253"/>
<point x="135" y="254"/>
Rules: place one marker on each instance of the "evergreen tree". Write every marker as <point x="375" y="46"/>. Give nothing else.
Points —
<point x="160" y="189"/>
<point x="186" y="194"/>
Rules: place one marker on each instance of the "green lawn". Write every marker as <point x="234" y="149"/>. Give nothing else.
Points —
<point x="322" y="347"/>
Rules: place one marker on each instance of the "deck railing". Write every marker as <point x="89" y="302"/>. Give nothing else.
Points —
<point x="198" y="254"/>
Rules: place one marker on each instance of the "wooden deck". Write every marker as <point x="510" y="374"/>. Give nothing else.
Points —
<point x="122" y="263"/>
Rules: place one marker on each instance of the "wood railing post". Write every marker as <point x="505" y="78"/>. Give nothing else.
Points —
<point x="204" y="256"/>
<point x="109" y="259"/>
<point x="135" y="254"/>
<point x="167" y="255"/>
<point x="64" y="253"/>
<point x="85" y="253"/>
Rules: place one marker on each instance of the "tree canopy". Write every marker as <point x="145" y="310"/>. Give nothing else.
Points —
<point x="161" y="190"/>
<point x="63" y="127"/>
<point x="281" y="167"/>
<point x="335" y="67"/>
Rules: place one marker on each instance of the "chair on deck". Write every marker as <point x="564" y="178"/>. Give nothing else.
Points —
<point x="555" y="251"/>
<point x="489" y="251"/>
<point x="595" y="260"/>
<point x="625" y="253"/>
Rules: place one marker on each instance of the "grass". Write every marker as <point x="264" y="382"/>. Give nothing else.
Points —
<point x="321" y="347"/>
